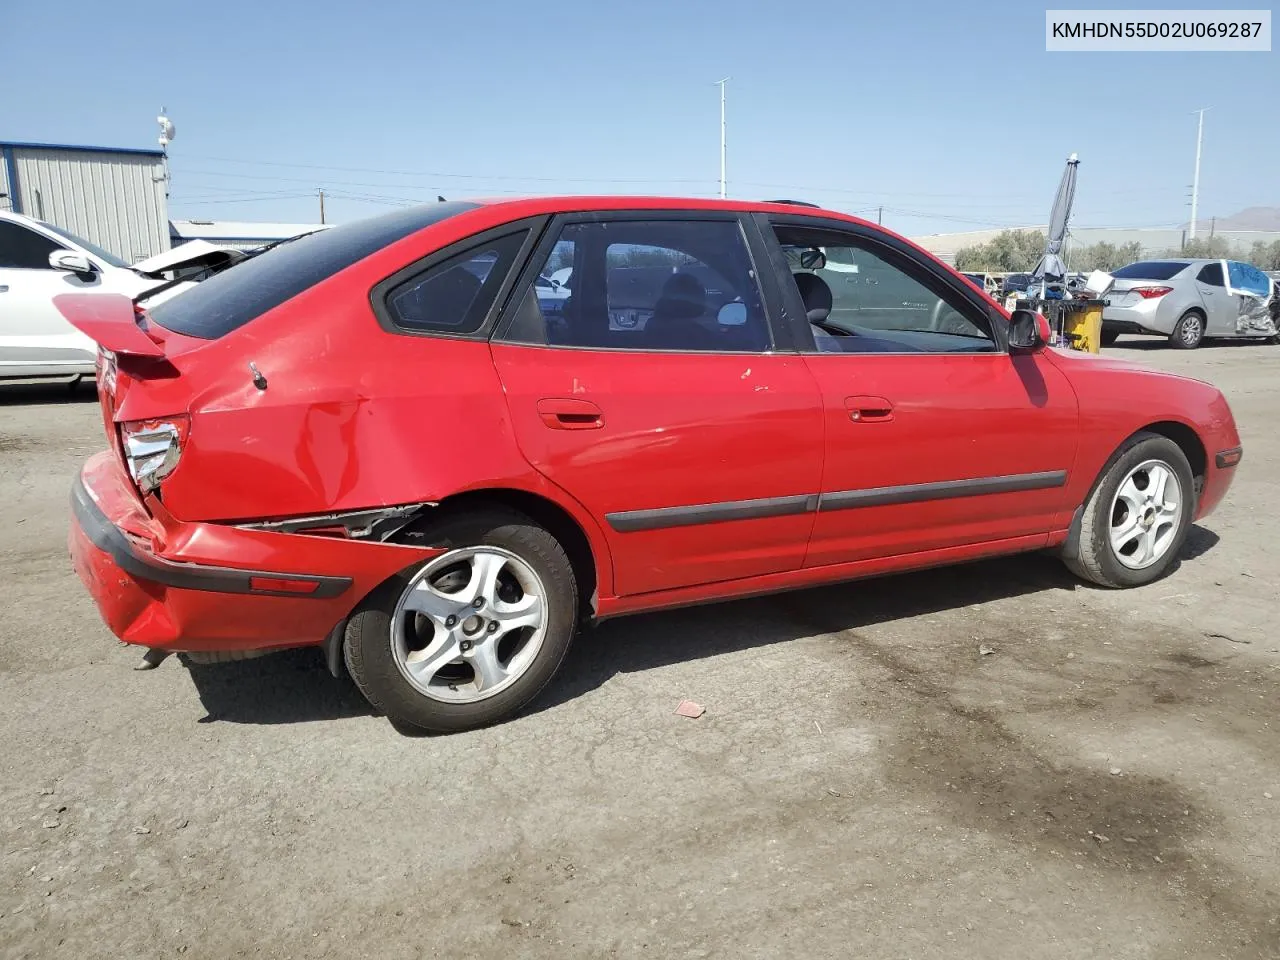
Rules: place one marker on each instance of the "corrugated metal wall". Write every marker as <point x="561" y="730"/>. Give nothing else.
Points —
<point x="113" y="199"/>
<point x="6" y="202"/>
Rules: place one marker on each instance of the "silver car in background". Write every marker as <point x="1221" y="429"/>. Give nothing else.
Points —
<point x="1188" y="300"/>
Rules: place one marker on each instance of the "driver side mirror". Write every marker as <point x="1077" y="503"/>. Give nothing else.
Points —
<point x="70" y="262"/>
<point x="1028" y="330"/>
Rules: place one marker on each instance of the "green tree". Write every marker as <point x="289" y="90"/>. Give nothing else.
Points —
<point x="1104" y="256"/>
<point x="1008" y="251"/>
<point x="1265" y="256"/>
<point x="1204" y="248"/>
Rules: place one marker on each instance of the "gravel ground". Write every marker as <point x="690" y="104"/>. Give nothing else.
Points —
<point x="1105" y="783"/>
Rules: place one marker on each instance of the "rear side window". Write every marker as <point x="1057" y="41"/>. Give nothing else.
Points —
<point x="454" y="296"/>
<point x="24" y="249"/>
<point x="1210" y="273"/>
<point x="1150" y="270"/>
<point x="228" y="300"/>
<point x="680" y="285"/>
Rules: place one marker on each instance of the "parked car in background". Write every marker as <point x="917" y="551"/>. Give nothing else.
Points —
<point x="981" y="281"/>
<point x="1188" y="300"/>
<point x="1015" y="283"/>
<point x="459" y="477"/>
<point x="39" y="261"/>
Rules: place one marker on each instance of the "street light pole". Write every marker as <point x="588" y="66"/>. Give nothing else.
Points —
<point x="1195" y="183"/>
<point x="722" y="137"/>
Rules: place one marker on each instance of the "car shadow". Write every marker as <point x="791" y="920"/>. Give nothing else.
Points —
<point x="1200" y="540"/>
<point x="1147" y="344"/>
<point x="651" y="641"/>
<point x="294" y="686"/>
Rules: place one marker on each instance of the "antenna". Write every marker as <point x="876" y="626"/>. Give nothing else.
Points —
<point x="721" y="84"/>
<point x="167" y="133"/>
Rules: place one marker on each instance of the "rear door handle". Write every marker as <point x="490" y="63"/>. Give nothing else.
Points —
<point x="868" y="409"/>
<point x="570" y="414"/>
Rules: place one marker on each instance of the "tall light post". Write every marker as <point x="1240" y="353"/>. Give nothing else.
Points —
<point x="1195" y="183"/>
<point x="722" y="140"/>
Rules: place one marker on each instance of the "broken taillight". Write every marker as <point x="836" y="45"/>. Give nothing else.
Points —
<point x="152" y="448"/>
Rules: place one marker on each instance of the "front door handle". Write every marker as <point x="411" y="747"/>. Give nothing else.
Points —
<point x="570" y="414"/>
<point x="868" y="409"/>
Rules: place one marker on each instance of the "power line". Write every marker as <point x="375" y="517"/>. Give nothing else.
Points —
<point x="871" y="194"/>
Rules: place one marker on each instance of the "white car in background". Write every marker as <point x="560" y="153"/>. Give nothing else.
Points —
<point x="38" y="261"/>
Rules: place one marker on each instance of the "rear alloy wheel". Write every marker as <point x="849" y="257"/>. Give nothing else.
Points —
<point x="471" y="636"/>
<point x="1189" y="332"/>
<point x="1137" y="517"/>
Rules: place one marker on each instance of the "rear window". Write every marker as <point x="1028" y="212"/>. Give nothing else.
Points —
<point x="229" y="300"/>
<point x="1150" y="270"/>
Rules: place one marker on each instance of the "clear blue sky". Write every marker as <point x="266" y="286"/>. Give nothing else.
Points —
<point x="950" y="115"/>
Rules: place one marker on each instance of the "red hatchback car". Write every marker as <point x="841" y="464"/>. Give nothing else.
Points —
<point x="435" y="442"/>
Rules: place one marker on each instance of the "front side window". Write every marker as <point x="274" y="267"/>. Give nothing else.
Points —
<point x="679" y="285"/>
<point x="24" y="249"/>
<point x="454" y="296"/>
<point x="860" y="298"/>
<point x="1211" y="273"/>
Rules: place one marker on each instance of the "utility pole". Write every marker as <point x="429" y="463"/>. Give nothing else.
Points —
<point x="1195" y="184"/>
<point x="723" y="192"/>
<point x="321" y="192"/>
<point x="880" y="215"/>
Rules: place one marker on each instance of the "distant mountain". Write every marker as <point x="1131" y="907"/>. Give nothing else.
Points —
<point x="1252" y="218"/>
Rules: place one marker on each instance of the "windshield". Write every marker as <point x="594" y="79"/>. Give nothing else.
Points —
<point x="108" y="258"/>
<point x="1150" y="270"/>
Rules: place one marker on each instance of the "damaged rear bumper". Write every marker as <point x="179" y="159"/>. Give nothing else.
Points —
<point x="164" y="583"/>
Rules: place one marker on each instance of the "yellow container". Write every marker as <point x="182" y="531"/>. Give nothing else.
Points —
<point x="1082" y="325"/>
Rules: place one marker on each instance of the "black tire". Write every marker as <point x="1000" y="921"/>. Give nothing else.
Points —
<point x="371" y="660"/>
<point x="1189" y="331"/>
<point x="1088" y="552"/>
<point x="1109" y="337"/>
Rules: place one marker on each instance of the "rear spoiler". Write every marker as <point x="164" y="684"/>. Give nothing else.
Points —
<point x="109" y="319"/>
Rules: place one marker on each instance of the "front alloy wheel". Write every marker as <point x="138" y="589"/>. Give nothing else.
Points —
<point x="1145" y="514"/>
<point x="1128" y="533"/>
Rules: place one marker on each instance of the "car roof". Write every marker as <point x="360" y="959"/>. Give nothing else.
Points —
<point x="574" y="204"/>
<point x="515" y="208"/>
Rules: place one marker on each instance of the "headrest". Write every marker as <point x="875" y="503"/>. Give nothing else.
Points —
<point x="816" y="296"/>
<point x="683" y="298"/>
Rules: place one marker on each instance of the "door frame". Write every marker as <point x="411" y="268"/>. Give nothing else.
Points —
<point x="1219" y="308"/>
